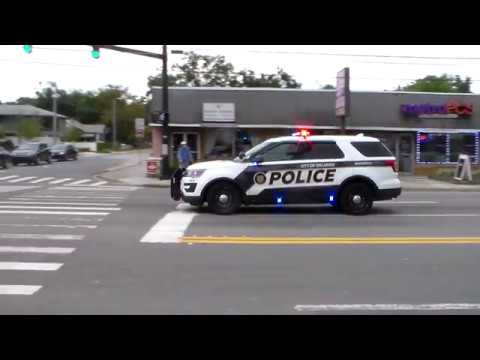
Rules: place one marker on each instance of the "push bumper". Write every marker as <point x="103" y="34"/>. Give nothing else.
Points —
<point x="388" y="194"/>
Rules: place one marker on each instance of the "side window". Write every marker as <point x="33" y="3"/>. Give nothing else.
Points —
<point x="371" y="148"/>
<point x="281" y="152"/>
<point x="323" y="150"/>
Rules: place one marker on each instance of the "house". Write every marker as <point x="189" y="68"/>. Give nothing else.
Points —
<point x="11" y="117"/>
<point x="90" y="132"/>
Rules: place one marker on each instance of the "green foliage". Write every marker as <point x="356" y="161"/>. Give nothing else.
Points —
<point x="444" y="84"/>
<point x="29" y="129"/>
<point x="328" y="87"/>
<point x="74" y="135"/>
<point x="104" y="147"/>
<point x="204" y="70"/>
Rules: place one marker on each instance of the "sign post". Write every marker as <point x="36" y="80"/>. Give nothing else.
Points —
<point x="342" y="99"/>
<point x="464" y="168"/>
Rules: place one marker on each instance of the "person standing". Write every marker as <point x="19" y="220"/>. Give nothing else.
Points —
<point x="184" y="155"/>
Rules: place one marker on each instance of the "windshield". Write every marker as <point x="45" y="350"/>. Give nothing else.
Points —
<point x="253" y="151"/>
<point x="60" y="147"/>
<point x="27" y="147"/>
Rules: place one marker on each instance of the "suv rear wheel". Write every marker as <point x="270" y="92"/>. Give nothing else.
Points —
<point x="223" y="198"/>
<point x="356" y="199"/>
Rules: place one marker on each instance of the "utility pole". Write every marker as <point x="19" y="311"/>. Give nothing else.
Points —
<point x="114" y="123"/>
<point x="55" y="96"/>
<point x="166" y="115"/>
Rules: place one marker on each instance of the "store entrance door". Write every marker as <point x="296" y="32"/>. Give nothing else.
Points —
<point x="405" y="158"/>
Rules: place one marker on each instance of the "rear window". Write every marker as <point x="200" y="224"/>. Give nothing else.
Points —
<point x="372" y="148"/>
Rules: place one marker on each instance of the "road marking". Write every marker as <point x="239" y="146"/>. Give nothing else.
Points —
<point x="432" y="215"/>
<point x="60" y="181"/>
<point x="89" y="188"/>
<point x="41" y="180"/>
<point x="389" y="307"/>
<point x="22" y="179"/>
<point x="11" y="265"/>
<point x="78" y="182"/>
<point x="404" y="202"/>
<point x="55" y="203"/>
<point x="171" y="227"/>
<point x="60" y="208"/>
<point x="99" y="183"/>
<point x="66" y="197"/>
<point x="9" y="177"/>
<point x="19" y="289"/>
<point x="53" y="226"/>
<point x="42" y="236"/>
<point x="36" y="250"/>
<point x="386" y="240"/>
<point x="41" y="212"/>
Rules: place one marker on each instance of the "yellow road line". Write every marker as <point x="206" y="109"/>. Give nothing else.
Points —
<point x="384" y="240"/>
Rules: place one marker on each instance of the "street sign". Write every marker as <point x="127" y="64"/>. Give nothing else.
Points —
<point x="342" y="99"/>
<point x="139" y="127"/>
<point x="464" y="168"/>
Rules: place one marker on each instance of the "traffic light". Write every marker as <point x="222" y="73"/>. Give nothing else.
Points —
<point x="27" y="48"/>
<point x="165" y="119"/>
<point x="95" y="52"/>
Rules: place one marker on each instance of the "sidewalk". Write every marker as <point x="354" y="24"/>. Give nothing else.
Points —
<point x="132" y="172"/>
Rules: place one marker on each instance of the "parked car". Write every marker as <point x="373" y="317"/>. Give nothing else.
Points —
<point x="5" y="158"/>
<point x="64" y="152"/>
<point x="31" y="153"/>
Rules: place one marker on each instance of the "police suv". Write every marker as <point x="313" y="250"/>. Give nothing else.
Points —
<point x="348" y="172"/>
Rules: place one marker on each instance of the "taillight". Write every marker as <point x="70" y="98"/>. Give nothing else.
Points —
<point x="392" y="164"/>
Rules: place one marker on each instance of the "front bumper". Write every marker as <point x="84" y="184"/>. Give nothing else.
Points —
<point x="22" y="159"/>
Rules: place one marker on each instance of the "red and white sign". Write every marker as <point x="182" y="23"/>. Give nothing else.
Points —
<point x="342" y="101"/>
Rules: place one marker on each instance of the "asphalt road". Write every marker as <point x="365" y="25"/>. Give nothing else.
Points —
<point x="127" y="250"/>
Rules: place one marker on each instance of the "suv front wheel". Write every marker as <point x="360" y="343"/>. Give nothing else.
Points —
<point x="356" y="199"/>
<point x="223" y="198"/>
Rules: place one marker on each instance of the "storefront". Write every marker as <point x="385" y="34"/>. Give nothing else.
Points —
<point x="425" y="131"/>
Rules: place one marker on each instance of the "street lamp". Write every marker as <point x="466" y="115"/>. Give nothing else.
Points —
<point x="55" y="96"/>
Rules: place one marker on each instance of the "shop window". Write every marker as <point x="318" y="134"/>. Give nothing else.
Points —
<point x="220" y="144"/>
<point x="462" y="144"/>
<point x="432" y="148"/>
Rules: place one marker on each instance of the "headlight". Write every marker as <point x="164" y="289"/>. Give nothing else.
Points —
<point x="195" y="173"/>
<point x="61" y="153"/>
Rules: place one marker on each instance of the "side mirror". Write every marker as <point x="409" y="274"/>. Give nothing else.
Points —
<point x="241" y="155"/>
<point x="257" y="159"/>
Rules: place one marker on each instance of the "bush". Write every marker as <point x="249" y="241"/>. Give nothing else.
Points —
<point x="448" y="174"/>
<point x="29" y="129"/>
<point x="104" y="147"/>
<point x="74" y="135"/>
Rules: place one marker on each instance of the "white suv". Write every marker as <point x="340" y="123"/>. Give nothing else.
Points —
<point x="348" y="172"/>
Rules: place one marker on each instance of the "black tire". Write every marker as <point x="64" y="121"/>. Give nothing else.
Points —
<point x="356" y="199"/>
<point x="4" y="164"/>
<point x="223" y="207"/>
<point x="49" y="160"/>
<point x="35" y="161"/>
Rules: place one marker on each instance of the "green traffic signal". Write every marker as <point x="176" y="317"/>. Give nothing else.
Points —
<point x="96" y="52"/>
<point x="27" y="48"/>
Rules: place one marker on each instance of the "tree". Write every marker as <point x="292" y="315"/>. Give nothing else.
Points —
<point x="205" y="70"/>
<point x="444" y="83"/>
<point x="328" y="87"/>
<point x="29" y="129"/>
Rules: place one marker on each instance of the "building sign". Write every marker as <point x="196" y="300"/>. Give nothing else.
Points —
<point x="139" y="127"/>
<point x="452" y="109"/>
<point x="219" y="112"/>
<point x="342" y="99"/>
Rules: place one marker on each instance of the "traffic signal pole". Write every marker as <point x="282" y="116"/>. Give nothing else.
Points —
<point x="165" y="129"/>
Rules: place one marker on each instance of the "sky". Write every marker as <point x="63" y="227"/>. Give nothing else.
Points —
<point x="372" y="67"/>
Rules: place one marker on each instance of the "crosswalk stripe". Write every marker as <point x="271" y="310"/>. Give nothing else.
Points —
<point x="12" y="265"/>
<point x="89" y="188"/>
<point x="78" y="182"/>
<point x="36" y="250"/>
<point x="67" y="197"/>
<point x="41" y="180"/>
<point x="21" y="179"/>
<point x="60" y="181"/>
<point x="55" y="203"/>
<point x="60" y="208"/>
<point x="42" y="236"/>
<point x="50" y="225"/>
<point x="9" y="177"/>
<point x="41" y="212"/>
<point x="99" y="183"/>
<point x="19" y="289"/>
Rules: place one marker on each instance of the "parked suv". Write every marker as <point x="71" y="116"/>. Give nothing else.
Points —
<point x="64" y="152"/>
<point x="31" y="153"/>
<point x="348" y="172"/>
